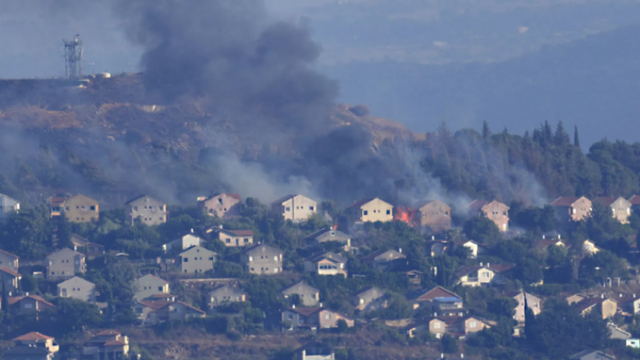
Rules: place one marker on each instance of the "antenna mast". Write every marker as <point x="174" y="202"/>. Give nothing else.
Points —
<point x="73" y="58"/>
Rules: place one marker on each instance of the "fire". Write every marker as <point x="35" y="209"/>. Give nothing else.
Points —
<point x="405" y="214"/>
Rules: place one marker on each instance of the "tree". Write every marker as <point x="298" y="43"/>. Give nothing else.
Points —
<point x="486" y="132"/>
<point x="75" y="315"/>
<point x="482" y="230"/>
<point x="5" y="295"/>
<point x="502" y="307"/>
<point x="560" y="330"/>
<point x="64" y="232"/>
<point x="342" y="326"/>
<point x="511" y="251"/>
<point x="576" y="137"/>
<point x="449" y="344"/>
<point x="529" y="271"/>
<point x="29" y="283"/>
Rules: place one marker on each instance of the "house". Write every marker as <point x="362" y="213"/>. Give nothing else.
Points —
<point x="370" y="210"/>
<point x="234" y="238"/>
<point x="197" y="260"/>
<point x="314" y="351"/>
<point x="30" y="303"/>
<point x="262" y="260"/>
<point x="147" y="210"/>
<point x="33" y="346"/>
<point x="174" y="311"/>
<point x="475" y="248"/>
<point x="143" y="308"/>
<point x="414" y="277"/>
<point x="452" y="325"/>
<point x="327" y="235"/>
<point x="605" y="307"/>
<point x="482" y="275"/>
<point x="570" y="208"/>
<point x="11" y="278"/>
<point x="589" y="248"/>
<point x="28" y="353"/>
<point x="84" y="246"/>
<point x="635" y="203"/>
<point x="493" y="210"/>
<point x="308" y="295"/>
<point x="183" y="243"/>
<point x="77" y="209"/>
<point x="78" y="288"/>
<point x="620" y="207"/>
<point x="149" y="285"/>
<point x="633" y="343"/>
<point x="326" y="264"/>
<point x="533" y="302"/>
<point x="65" y="264"/>
<point x="384" y="259"/>
<point x="427" y="298"/>
<point x="436" y="248"/>
<point x="616" y="333"/>
<point x="8" y="205"/>
<point x="592" y="355"/>
<point x="435" y="215"/>
<point x="9" y="260"/>
<point x="571" y="298"/>
<point x="106" y="345"/>
<point x="295" y="207"/>
<point x="222" y="205"/>
<point x="629" y="304"/>
<point x="226" y="294"/>
<point x="313" y="318"/>
<point x="544" y="243"/>
<point x="371" y="298"/>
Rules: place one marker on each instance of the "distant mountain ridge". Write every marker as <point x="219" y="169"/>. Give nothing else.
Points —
<point x="588" y="83"/>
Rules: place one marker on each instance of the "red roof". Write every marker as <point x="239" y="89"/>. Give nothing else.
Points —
<point x="56" y="200"/>
<point x="10" y="272"/>
<point x="605" y="200"/>
<point x="155" y="305"/>
<point x="10" y="254"/>
<point x="33" y="336"/>
<point x="635" y="200"/>
<point x="17" y="299"/>
<point x="436" y="292"/>
<point x="477" y="204"/>
<point x="240" y="232"/>
<point x="306" y="311"/>
<point x="564" y="201"/>
<point x="108" y="332"/>
<point x="115" y="343"/>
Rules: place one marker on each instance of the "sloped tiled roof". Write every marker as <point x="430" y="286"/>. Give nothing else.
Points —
<point x="10" y="272"/>
<point x="477" y="204"/>
<point x="33" y="336"/>
<point x="10" y="254"/>
<point x="329" y="255"/>
<point x="239" y="232"/>
<point x="605" y="200"/>
<point x="108" y="332"/>
<point x="154" y="305"/>
<point x="635" y="200"/>
<point x="375" y="254"/>
<point x="436" y="292"/>
<point x="115" y="343"/>
<point x="564" y="201"/>
<point x="306" y="311"/>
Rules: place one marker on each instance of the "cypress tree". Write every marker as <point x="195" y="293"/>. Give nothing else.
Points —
<point x="576" y="137"/>
<point x="485" y="130"/>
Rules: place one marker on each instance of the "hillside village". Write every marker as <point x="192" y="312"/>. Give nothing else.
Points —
<point x="422" y="274"/>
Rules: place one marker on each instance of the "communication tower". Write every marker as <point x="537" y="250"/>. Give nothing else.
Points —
<point x="73" y="58"/>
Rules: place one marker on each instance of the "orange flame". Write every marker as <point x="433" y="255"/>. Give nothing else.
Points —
<point x="405" y="214"/>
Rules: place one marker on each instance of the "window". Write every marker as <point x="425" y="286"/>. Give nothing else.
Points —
<point x="472" y="324"/>
<point x="290" y="316"/>
<point x="311" y="208"/>
<point x="93" y="208"/>
<point x="185" y="260"/>
<point x="327" y="316"/>
<point x="53" y="273"/>
<point x="160" y="288"/>
<point x="275" y="258"/>
<point x="276" y="270"/>
<point x="437" y="325"/>
<point x="66" y="208"/>
<point x="366" y="212"/>
<point x="211" y="258"/>
<point x="250" y="258"/>
<point x="287" y="209"/>
<point x="246" y="240"/>
<point x="361" y="301"/>
<point x="388" y="212"/>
